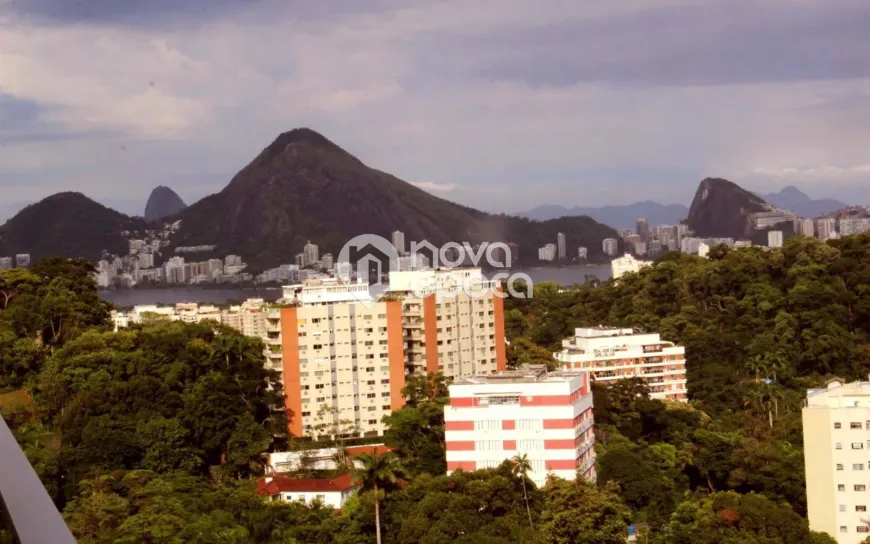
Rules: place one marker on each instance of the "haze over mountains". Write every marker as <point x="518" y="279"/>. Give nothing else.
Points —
<point x="301" y="187"/>
<point x="625" y="216"/>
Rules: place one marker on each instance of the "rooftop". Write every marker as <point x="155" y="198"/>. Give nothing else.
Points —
<point x="524" y="374"/>
<point x="272" y="485"/>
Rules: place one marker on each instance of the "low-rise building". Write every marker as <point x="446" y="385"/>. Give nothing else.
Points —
<point x="545" y="416"/>
<point x="333" y="492"/>
<point x="609" y="354"/>
<point x="625" y="264"/>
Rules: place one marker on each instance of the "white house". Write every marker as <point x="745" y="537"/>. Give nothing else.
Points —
<point x="333" y="492"/>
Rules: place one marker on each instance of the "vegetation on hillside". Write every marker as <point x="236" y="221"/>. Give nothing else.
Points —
<point x="66" y="225"/>
<point x="152" y="434"/>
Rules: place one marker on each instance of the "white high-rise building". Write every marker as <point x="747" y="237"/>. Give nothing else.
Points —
<point x="774" y="238"/>
<point x="826" y="228"/>
<point x="399" y="241"/>
<point x="625" y="264"/>
<point x="616" y="354"/>
<point x="561" y="246"/>
<point x="327" y="261"/>
<point x="853" y="225"/>
<point x="547" y="253"/>
<point x="22" y="260"/>
<point x="805" y="227"/>
<point x="836" y="424"/>
<point x="5" y="263"/>
<point x="545" y="416"/>
<point x="311" y="253"/>
<point x="610" y="246"/>
<point x="582" y="253"/>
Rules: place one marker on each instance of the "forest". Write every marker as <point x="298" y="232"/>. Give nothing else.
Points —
<point x="154" y="433"/>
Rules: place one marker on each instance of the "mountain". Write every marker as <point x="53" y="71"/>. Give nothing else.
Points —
<point x="66" y="224"/>
<point x="722" y="209"/>
<point x="792" y="198"/>
<point x="618" y="217"/>
<point x="304" y="187"/>
<point x="163" y="202"/>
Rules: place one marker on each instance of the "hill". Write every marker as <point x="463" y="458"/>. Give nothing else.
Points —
<point x="722" y="208"/>
<point x="792" y="198"/>
<point x="66" y="224"/>
<point x="304" y="187"/>
<point x="618" y="217"/>
<point x="163" y="202"/>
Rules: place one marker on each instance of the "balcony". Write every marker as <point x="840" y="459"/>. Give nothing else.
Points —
<point x="26" y="510"/>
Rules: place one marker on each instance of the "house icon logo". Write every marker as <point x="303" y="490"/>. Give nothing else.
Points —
<point x="372" y="257"/>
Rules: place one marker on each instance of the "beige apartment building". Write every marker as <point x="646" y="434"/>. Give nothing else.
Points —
<point x="836" y="423"/>
<point x="610" y="354"/>
<point x="453" y="321"/>
<point x="337" y="348"/>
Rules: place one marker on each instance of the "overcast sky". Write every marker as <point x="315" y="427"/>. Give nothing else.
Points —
<point x="497" y="104"/>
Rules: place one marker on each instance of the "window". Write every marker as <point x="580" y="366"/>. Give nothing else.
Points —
<point x="861" y="508"/>
<point x="837" y="425"/>
<point x="488" y="445"/>
<point x="855" y="425"/>
<point x="860" y="487"/>
<point x="838" y="446"/>
<point x="858" y="466"/>
<point x="841" y="487"/>
<point x="487" y="425"/>
<point x="843" y="528"/>
<point x="842" y="508"/>
<point x="857" y="445"/>
<point x="862" y="529"/>
<point x="839" y="466"/>
<point x="530" y="425"/>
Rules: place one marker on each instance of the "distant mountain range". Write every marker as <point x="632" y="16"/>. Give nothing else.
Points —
<point x="792" y="198"/>
<point x="163" y="202"/>
<point x="618" y="217"/>
<point x="625" y="217"/>
<point x="301" y="187"/>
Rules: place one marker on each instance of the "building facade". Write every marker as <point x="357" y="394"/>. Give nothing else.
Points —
<point x="561" y="246"/>
<point x="453" y="321"/>
<point x="610" y="246"/>
<point x="545" y="416"/>
<point x="836" y="425"/>
<point x="774" y="238"/>
<point x="343" y="356"/>
<point x="616" y="354"/>
<point x="625" y="264"/>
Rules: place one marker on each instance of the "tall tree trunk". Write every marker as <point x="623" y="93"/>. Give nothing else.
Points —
<point x="377" y="515"/>
<point x="526" y="497"/>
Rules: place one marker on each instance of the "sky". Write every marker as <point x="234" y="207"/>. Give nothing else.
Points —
<point x="498" y="104"/>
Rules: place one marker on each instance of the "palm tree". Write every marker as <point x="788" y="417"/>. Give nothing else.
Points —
<point x="522" y="466"/>
<point x="376" y="472"/>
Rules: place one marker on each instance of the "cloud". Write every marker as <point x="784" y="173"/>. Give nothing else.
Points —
<point x="555" y="101"/>
<point x="433" y="187"/>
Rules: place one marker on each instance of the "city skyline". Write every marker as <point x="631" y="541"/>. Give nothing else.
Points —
<point x="606" y="119"/>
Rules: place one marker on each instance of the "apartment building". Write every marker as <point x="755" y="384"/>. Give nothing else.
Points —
<point x="340" y="356"/>
<point x="338" y="349"/>
<point x="836" y="424"/>
<point x="453" y="321"/>
<point x="545" y="416"/>
<point x="615" y="354"/>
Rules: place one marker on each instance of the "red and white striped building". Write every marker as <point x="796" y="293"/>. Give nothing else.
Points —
<point x="546" y="416"/>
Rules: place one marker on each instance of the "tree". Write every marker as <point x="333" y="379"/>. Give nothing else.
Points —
<point x="416" y="431"/>
<point x="377" y="473"/>
<point x="580" y="513"/>
<point x="522" y="466"/>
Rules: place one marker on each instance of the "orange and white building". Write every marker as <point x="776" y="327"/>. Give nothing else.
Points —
<point x="337" y="348"/>
<point x="609" y="354"/>
<point x="545" y="416"/>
